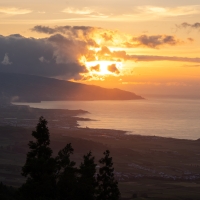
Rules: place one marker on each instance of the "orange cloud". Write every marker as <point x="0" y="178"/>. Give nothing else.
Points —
<point x="14" y="11"/>
<point x="82" y="11"/>
<point x="95" y="68"/>
<point x="91" y="47"/>
<point x="103" y="37"/>
<point x="113" y="68"/>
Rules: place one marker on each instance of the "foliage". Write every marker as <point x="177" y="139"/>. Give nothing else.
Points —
<point x="58" y="178"/>
<point x="40" y="166"/>
<point x="66" y="174"/>
<point x="86" y="181"/>
<point x="107" y="185"/>
<point x="39" y="161"/>
<point x="6" y="192"/>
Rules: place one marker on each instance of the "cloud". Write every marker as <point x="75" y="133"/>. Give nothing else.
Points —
<point x="112" y="68"/>
<point x="42" y="59"/>
<point x="95" y="68"/>
<point x="55" y="56"/>
<point x="67" y="50"/>
<point x="191" y="65"/>
<point x="73" y="52"/>
<point x="82" y="11"/>
<point x="96" y="36"/>
<point x="130" y="13"/>
<point x="85" y="12"/>
<point x="63" y="29"/>
<point x="154" y="41"/>
<point x="190" y="39"/>
<point x="106" y="54"/>
<point x="6" y="60"/>
<point x="155" y="11"/>
<point x="14" y="11"/>
<point x="107" y="36"/>
<point x="149" y="58"/>
<point x="187" y="25"/>
<point x="152" y="13"/>
<point x="44" y="29"/>
<point x="73" y="32"/>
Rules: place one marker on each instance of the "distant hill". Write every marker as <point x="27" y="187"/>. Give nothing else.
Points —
<point x="31" y="88"/>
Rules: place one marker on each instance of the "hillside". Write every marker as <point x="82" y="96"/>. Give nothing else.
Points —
<point x="31" y="88"/>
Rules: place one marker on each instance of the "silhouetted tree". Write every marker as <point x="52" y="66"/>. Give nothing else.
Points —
<point x="86" y="181"/>
<point x="39" y="167"/>
<point x="107" y="185"/>
<point x="7" y="192"/>
<point x="57" y="178"/>
<point x="66" y="174"/>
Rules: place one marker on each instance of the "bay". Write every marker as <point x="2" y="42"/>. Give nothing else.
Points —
<point x="177" y="118"/>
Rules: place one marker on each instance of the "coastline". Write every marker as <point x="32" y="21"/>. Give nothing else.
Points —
<point x="160" y="117"/>
<point x="139" y="160"/>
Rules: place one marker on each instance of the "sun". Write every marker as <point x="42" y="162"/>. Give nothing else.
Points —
<point x="104" y="67"/>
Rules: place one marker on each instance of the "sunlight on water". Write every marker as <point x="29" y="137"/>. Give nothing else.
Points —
<point x="178" y="118"/>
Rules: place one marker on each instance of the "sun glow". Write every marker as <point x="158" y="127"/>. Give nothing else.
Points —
<point x="104" y="67"/>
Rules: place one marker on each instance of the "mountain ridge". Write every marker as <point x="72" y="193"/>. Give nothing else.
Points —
<point x="32" y="88"/>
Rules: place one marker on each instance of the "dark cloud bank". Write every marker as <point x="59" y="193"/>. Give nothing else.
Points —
<point x="52" y="56"/>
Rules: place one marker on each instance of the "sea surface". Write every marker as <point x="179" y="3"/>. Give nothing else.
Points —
<point x="177" y="118"/>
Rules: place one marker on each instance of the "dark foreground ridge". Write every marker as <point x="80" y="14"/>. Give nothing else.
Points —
<point x="31" y="88"/>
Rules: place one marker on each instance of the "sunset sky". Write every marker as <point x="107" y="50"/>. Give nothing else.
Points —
<point x="148" y="47"/>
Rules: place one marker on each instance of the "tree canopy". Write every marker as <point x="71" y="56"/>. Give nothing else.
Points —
<point x="40" y="166"/>
<point x="58" y="178"/>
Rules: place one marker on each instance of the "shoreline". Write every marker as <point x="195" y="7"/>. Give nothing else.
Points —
<point x="100" y="132"/>
<point x="165" y="118"/>
<point x="74" y="117"/>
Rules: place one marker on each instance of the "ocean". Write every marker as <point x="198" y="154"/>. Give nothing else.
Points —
<point x="176" y="118"/>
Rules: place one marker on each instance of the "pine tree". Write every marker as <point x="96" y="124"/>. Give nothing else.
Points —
<point x="57" y="178"/>
<point x="87" y="182"/>
<point x="7" y="192"/>
<point x="40" y="166"/>
<point x="66" y="174"/>
<point x="107" y="185"/>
